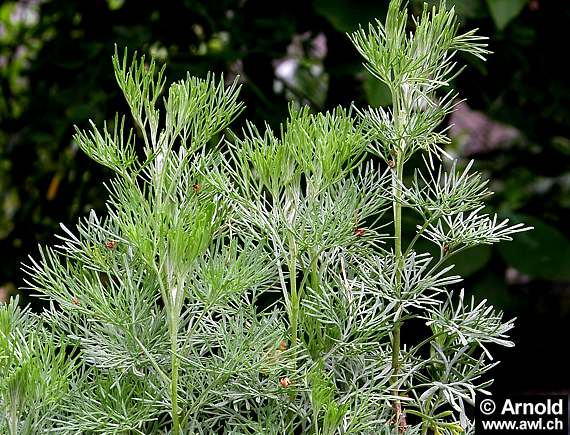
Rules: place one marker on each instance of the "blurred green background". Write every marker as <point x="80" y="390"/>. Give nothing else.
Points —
<point x="55" y="71"/>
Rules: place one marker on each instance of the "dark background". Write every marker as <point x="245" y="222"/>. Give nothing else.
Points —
<point x="55" y="71"/>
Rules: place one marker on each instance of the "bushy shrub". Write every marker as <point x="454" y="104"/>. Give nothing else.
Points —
<point x="251" y="284"/>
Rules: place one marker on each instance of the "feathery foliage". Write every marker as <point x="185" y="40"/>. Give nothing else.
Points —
<point x="248" y="284"/>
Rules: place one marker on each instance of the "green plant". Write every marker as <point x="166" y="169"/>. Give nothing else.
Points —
<point x="251" y="285"/>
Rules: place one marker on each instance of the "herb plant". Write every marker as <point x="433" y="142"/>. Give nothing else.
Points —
<point x="256" y="284"/>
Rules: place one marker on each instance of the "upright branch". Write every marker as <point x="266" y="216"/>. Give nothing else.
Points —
<point x="414" y="66"/>
<point x="397" y="165"/>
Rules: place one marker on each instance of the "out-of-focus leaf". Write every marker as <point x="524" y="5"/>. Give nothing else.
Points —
<point x="5" y="11"/>
<point x="10" y="202"/>
<point x="495" y="290"/>
<point x="347" y="15"/>
<point x="466" y="263"/>
<point x="115" y="4"/>
<point x="543" y="252"/>
<point x="313" y="87"/>
<point x="514" y="188"/>
<point x="470" y="261"/>
<point x="521" y="35"/>
<point x="504" y="11"/>
<point x="561" y="144"/>
<point x="377" y="93"/>
<point x="465" y="9"/>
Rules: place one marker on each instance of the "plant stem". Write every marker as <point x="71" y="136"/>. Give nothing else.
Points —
<point x="294" y="291"/>
<point x="294" y="315"/>
<point x="398" y="265"/>
<point x="294" y="300"/>
<point x="397" y="179"/>
<point x="315" y="281"/>
<point x="13" y="427"/>
<point x="419" y="233"/>
<point x="174" y="382"/>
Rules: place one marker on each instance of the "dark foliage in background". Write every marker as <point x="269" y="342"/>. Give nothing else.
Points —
<point x="54" y="72"/>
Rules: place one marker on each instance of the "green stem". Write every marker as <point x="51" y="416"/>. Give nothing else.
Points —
<point x="312" y="273"/>
<point x="294" y="291"/>
<point x="398" y="264"/>
<point x="174" y="378"/>
<point x="294" y="315"/>
<point x="13" y="428"/>
<point x="316" y="420"/>
<point x="163" y="375"/>
<point x="425" y="429"/>
<point x="419" y="233"/>
<point x="294" y="300"/>
<point x="397" y="180"/>
<point x="316" y="286"/>
<point x="444" y="258"/>
<point x="315" y="281"/>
